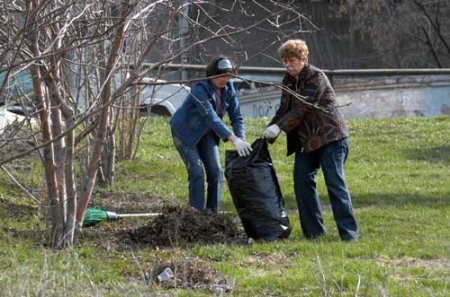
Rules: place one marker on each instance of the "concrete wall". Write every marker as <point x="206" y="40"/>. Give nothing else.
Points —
<point x="369" y="97"/>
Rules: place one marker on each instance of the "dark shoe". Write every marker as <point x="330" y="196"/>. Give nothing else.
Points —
<point x="350" y="239"/>
<point x="314" y="236"/>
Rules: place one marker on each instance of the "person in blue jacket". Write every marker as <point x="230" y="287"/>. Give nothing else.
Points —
<point x="197" y="128"/>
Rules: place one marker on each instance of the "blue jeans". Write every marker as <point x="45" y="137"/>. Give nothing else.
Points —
<point x="331" y="158"/>
<point x="203" y="158"/>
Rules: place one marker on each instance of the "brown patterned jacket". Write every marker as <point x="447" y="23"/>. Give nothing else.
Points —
<point x="309" y="127"/>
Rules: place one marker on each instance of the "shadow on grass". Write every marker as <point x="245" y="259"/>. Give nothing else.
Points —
<point x="17" y="211"/>
<point x="383" y="199"/>
<point x="19" y="222"/>
<point x="433" y="155"/>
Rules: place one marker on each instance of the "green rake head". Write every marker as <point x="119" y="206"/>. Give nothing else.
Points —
<point x="93" y="216"/>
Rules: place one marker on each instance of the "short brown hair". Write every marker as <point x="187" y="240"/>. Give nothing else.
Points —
<point x="294" y="48"/>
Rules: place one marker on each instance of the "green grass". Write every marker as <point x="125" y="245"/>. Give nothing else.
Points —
<point x="398" y="173"/>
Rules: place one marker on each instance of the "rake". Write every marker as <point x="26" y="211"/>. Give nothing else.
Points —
<point x="93" y="216"/>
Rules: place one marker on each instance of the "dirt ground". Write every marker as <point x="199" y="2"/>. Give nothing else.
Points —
<point x="175" y="227"/>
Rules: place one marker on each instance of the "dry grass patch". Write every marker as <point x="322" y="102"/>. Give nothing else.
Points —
<point x="437" y="264"/>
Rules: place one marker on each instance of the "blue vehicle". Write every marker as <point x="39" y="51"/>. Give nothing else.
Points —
<point x="17" y="93"/>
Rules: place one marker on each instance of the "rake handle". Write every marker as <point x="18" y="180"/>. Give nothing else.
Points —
<point x="152" y="214"/>
<point x="115" y="216"/>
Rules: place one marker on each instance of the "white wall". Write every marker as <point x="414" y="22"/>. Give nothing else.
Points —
<point x="370" y="97"/>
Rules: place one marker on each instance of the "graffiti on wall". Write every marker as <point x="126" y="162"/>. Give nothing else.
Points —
<point x="262" y="109"/>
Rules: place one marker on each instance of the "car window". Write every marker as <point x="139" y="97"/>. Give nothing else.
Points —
<point x="17" y="86"/>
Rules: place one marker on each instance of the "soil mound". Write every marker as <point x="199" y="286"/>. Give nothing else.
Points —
<point x="192" y="273"/>
<point x="181" y="225"/>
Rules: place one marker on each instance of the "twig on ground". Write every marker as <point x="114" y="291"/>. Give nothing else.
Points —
<point x="20" y="186"/>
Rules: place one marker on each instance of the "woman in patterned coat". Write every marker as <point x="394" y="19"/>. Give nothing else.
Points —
<point x="318" y="135"/>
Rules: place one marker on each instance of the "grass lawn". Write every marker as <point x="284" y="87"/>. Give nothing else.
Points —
<point x="398" y="173"/>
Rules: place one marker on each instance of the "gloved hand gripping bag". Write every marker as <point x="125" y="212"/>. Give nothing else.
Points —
<point x="256" y="193"/>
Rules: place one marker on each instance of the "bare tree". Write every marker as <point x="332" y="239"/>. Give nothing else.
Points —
<point x="405" y="33"/>
<point x="87" y="62"/>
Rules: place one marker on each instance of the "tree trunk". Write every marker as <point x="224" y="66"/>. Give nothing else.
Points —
<point x="107" y="168"/>
<point x="49" y="160"/>
<point x="105" y="96"/>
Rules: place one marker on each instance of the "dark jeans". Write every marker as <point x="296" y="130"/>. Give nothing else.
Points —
<point x="331" y="159"/>
<point x="204" y="157"/>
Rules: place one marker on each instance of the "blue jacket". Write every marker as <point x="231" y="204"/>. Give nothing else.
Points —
<point x="197" y="115"/>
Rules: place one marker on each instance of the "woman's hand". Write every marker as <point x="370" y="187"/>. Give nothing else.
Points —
<point x="243" y="147"/>
<point x="271" y="132"/>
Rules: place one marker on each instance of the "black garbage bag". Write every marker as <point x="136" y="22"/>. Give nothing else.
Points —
<point x="256" y="193"/>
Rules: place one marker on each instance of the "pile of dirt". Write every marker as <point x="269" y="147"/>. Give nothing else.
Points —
<point x="192" y="273"/>
<point x="181" y="225"/>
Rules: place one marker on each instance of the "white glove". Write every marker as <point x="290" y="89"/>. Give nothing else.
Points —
<point x="243" y="148"/>
<point x="271" y="132"/>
